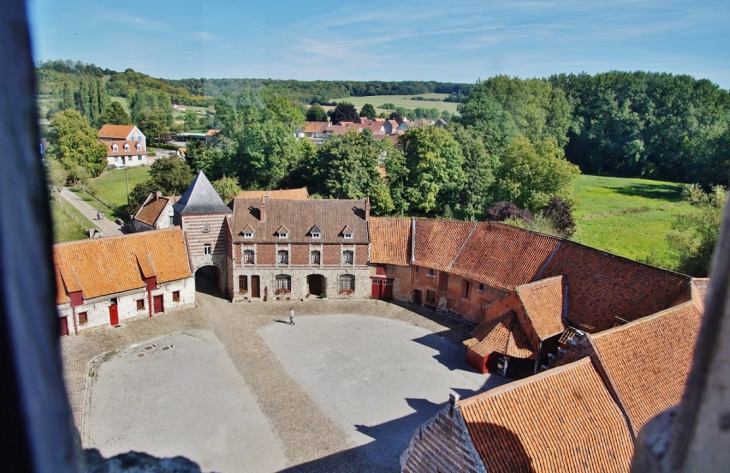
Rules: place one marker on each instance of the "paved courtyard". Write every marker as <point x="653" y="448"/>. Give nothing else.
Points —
<point x="238" y="389"/>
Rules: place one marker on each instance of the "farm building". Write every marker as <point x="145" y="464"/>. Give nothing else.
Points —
<point x="105" y="281"/>
<point x="155" y="213"/>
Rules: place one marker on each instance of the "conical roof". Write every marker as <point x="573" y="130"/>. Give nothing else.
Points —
<point x="200" y="198"/>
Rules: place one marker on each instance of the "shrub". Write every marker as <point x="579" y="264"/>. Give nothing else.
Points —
<point x="501" y="211"/>
<point x="560" y="211"/>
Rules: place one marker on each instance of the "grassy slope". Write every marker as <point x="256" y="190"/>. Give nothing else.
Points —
<point x="111" y="185"/>
<point x="64" y="227"/>
<point x="401" y="101"/>
<point x="634" y="235"/>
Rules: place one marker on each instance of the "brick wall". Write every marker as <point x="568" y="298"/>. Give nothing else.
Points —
<point x="265" y="254"/>
<point x="402" y="284"/>
<point x="442" y="444"/>
<point x="331" y="255"/>
<point x="361" y="255"/>
<point x="299" y="254"/>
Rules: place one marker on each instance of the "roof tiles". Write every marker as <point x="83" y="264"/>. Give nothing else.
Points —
<point x="543" y="304"/>
<point x="152" y="208"/>
<point x="292" y="194"/>
<point x="390" y="241"/>
<point x="647" y="361"/>
<point x="503" y="335"/>
<point x="106" y="266"/>
<point x="562" y="420"/>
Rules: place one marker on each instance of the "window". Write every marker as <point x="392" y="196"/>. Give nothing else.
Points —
<point x="126" y="147"/>
<point x="140" y="304"/>
<point x="316" y="235"/>
<point x="83" y="318"/>
<point x="347" y="284"/>
<point x="243" y="284"/>
<point x="282" y="284"/>
<point x="347" y="236"/>
<point x="443" y="281"/>
<point x="248" y="257"/>
<point x="348" y="256"/>
<point x="315" y="257"/>
<point x="172" y="220"/>
<point x="465" y="289"/>
<point x="248" y="235"/>
<point x="115" y="148"/>
<point x="206" y="249"/>
<point x="431" y="273"/>
<point x="282" y="257"/>
<point x="139" y="148"/>
<point x="481" y="287"/>
<point x="283" y="235"/>
<point x="139" y="158"/>
<point x="175" y="296"/>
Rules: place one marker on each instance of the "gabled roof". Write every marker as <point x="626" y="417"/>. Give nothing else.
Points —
<point x="390" y="241"/>
<point x="563" y="419"/>
<point x="299" y="216"/>
<point x="282" y="230"/>
<point x="647" y="361"/>
<point x="315" y="229"/>
<point x="602" y="286"/>
<point x="347" y="229"/>
<point x="503" y="335"/>
<point x="120" y="148"/>
<point x="543" y="303"/>
<point x="116" y="132"/>
<point x="107" y="266"/>
<point x="200" y="198"/>
<point x="152" y="209"/>
<point x="315" y="127"/>
<point x="438" y="242"/>
<point x="296" y="194"/>
<point x="248" y="229"/>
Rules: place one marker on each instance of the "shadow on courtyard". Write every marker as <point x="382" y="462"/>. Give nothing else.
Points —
<point x="389" y="439"/>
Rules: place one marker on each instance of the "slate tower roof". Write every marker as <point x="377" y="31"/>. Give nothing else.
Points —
<point x="200" y="198"/>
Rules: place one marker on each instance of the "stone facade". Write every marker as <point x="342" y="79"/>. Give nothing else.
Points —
<point x="205" y="235"/>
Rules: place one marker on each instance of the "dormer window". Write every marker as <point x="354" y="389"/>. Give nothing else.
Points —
<point x="247" y="235"/>
<point x="126" y="147"/>
<point x="315" y="232"/>
<point x="347" y="236"/>
<point x="248" y="232"/>
<point x="283" y="232"/>
<point x="139" y="147"/>
<point x="115" y="148"/>
<point x="347" y="233"/>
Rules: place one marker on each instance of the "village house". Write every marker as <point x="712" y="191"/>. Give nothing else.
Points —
<point x="126" y="145"/>
<point x="294" y="249"/>
<point x="155" y="213"/>
<point x="106" y="281"/>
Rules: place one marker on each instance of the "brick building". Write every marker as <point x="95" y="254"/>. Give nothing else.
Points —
<point x="283" y="249"/>
<point x="105" y="281"/>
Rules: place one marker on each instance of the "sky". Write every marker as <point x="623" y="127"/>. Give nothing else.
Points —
<point x="441" y="40"/>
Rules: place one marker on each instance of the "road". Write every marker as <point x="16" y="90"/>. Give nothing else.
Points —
<point x="108" y="227"/>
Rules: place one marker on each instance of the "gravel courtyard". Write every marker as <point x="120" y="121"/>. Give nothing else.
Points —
<point x="238" y="389"/>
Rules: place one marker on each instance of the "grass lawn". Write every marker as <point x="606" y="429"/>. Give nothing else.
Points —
<point x="401" y="101"/>
<point x="94" y="202"/>
<point x="64" y="227"/>
<point x="636" y="235"/>
<point x="111" y="185"/>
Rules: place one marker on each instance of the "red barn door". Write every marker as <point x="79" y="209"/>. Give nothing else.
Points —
<point x="158" y="304"/>
<point x="377" y="287"/>
<point x="113" y="314"/>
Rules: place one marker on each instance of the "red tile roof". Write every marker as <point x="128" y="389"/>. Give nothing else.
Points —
<point x="543" y="304"/>
<point x="315" y="127"/>
<point x="292" y="194"/>
<point x="561" y="420"/>
<point x="602" y="286"/>
<point x="150" y="211"/>
<point x="390" y="241"/>
<point x="116" y="132"/>
<point x="438" y="241"/>
<point x="106" y="266"/>
<point x="647" y="361"/>
<point x="502" y="256"/>
<point x="503" y="335"/>
<point x="120" y="148"/>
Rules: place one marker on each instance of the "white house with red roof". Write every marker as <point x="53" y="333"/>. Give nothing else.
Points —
<point x="126" y="145"/>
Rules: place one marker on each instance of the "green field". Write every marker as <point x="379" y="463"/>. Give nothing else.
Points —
<point x="64" y="227"/>
<point x="628" y="217"/>
<point x="111" y="185"/>
<point x="401" y="101"/>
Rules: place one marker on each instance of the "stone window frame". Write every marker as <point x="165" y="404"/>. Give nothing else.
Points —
<point x="242" y="288"/>
<point x="313" y="259"/>
<point x="175" y="296"/>
<point x="282" y="256"/>
<point x="248" y="256"/>
<point x="348" y="257"/>
<point x="83" y="317"/>
<point x="282" y="284"/>
<point x="346" y="283"/>
<point x="140" y="304"/>
<point x="207" y="249"/>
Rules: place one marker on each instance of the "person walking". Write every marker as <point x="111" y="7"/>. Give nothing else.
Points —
<point x="291" y="316"/>
<point x="98" y="215"/>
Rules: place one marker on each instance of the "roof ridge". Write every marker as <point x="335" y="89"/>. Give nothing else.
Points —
<point x="525" y="381"/>
<point x="641" y="320"/>
<point x="115" y="237"/>
<point x="466" y="240"/>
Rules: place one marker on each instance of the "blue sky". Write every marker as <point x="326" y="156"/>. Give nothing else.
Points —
<point x="452" y="41"/>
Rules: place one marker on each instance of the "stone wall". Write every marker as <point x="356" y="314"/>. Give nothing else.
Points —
<point x="299" y="286"/>
<point x="442" y="444"/>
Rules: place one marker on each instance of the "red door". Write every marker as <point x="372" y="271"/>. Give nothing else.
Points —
<point x="387" y="293"/>
<point x="64" y="325"/>
<point x="376" y="289"/>
<point x="255" y="292"/>
<point x="158" y="304"/>
<point x="113" y="315"/>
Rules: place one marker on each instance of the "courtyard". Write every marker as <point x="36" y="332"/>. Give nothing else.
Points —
<point x="234" y="387"/>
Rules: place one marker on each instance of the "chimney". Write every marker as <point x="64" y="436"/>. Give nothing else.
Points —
<point x="158" y="195"/>
<point x="262" y="209"/>
<point x="367" y="208"/>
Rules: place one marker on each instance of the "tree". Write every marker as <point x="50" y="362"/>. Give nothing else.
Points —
<point x="316" y="113"/>
<point x="171" y="175"/>
<point x="344" y="112"/>
<point x="560" y="211"/>
<point x="115" y="115"/>
<point x="530" y="174"/>
<point x="227" y="188"/>
<point x="479" y="168"/>
<point x="501" y="211"/>
<point x="346" y="168"/>
<point x="396" y="116"/>
<point x="368" y="111"/>
<point x="266" y="154"/>
<point x="695" y="234"/>
<point x="190" y="121"/>
<point x="435" y="174"/>
<point x="55" y="173"/>
<point x="75" y="144"/>
<point x="151" y="112"/>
